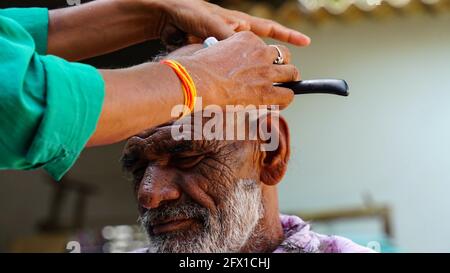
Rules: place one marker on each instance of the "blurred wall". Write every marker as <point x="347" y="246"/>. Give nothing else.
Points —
<point x="389" y="138"/>
<point x="25" y="197"/>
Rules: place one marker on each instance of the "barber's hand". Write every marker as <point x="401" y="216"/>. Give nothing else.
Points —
<point x="239" y="71"/>
<point x="236" y="71"/>
<point x="188" y="21"/>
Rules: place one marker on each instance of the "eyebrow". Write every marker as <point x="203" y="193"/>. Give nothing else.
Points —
<point x="129" y="160"/>
<point x="169" y="147"/>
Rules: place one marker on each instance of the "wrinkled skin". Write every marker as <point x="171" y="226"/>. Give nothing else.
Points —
<point x="169" y="173"/>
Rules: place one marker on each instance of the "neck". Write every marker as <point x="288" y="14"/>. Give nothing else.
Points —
<point x="268" y="234"/>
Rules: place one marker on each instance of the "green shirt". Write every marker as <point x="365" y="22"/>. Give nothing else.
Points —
<point x="49" y="107"/>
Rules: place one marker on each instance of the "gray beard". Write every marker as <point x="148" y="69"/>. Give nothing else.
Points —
<point x="227" y="230"/>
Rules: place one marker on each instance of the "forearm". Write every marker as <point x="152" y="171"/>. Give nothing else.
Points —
<point x="100" y="27"/>
<point x="136" y="99"/>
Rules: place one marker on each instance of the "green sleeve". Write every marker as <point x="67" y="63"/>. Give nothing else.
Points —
<point x="34" y="21"/>
<point x="49" y="107"/>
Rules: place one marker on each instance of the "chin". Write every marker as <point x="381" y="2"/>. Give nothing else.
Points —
<point x="180" y="241"/>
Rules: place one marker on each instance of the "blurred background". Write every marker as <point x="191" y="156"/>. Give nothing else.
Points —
<point x="374" y="167"/>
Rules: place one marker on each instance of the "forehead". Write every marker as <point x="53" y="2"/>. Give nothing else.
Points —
<point x="237" y="131"/>
<point x="160" y="141"/>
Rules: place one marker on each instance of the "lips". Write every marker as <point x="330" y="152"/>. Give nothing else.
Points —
<point x="171" y="225"/>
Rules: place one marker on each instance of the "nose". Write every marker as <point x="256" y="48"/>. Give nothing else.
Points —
<point x="158" y="186"/>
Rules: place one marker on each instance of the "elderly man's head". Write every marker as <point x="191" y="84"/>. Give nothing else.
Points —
<point x="209" y="195"/>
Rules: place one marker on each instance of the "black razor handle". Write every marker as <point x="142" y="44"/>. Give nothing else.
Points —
<point x="319" y="86"/>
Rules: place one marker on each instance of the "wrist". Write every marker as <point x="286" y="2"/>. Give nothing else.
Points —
<point x="148" y="13"/>
<point x="202" y="83"/>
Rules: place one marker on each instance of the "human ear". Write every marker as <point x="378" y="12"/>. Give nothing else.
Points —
<point x="273" y="162"/>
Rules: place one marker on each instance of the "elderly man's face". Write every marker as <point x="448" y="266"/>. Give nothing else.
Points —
<point x="196" y="196"/>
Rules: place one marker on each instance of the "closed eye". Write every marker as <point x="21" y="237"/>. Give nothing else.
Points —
<point x="187" y="162"/>
<point x="138" y="174"/>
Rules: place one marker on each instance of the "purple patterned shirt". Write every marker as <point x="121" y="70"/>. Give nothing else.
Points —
<point x="300" y="239"/>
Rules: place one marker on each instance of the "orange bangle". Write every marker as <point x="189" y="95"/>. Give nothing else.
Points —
<point x="187" y="84"/>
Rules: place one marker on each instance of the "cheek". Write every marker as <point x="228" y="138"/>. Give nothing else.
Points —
<point x="249" y="169"/>
<point x="245" y="163"/>
<point x="215" y="175"/>
<point x="199" y="189"/>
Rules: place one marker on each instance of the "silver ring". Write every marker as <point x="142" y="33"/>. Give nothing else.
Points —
<point x="280" y="58"/>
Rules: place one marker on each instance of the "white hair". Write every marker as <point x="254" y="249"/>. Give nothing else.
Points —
<point x="227" y="230"/>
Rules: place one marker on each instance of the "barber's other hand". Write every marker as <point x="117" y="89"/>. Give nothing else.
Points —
<point x="239" y="71"/>
<point x="186" y="21"/>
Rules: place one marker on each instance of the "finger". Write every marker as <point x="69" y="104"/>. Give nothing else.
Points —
<point x="274" y="30"/>
<point x="239" y="24"/>
<point x="214" y="26"/>
<point x="285" y="73"/>
<point x="279" y="96"/>
<point x="285" y="53"/>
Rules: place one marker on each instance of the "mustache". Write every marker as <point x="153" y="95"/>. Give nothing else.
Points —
<point x="188" y="209"/>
